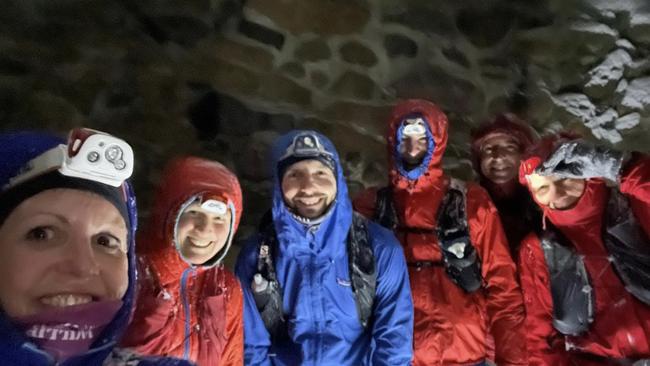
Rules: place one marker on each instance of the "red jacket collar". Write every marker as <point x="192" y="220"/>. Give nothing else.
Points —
<point x="588" y="211"/>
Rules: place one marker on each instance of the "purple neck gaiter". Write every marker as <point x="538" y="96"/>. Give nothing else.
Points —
<point x="68" y="331"/>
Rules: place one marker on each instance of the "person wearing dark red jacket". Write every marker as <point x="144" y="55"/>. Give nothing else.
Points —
<point x="496" y="150"/>
<point x="586" y="278"/>
<point x="189" y="305"/>
<point x="451" y="323"/>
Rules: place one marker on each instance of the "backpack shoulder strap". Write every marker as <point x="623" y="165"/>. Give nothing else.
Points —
<point x="269" y="300"/>
<point x="628" y="245"/>
<point x="459" y="255"/>
<point x="385" y="214"/>
<point x="572" y="294"/>
<point x="362" y="268"/>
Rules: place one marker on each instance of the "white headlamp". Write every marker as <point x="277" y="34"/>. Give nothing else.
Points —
<point x="215" y="206"/>
<point x="306" y="145"/>
<point x="414" y="127"/>
<point x="89" y="154"/>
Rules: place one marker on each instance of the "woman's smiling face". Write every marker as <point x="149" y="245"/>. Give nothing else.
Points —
<point x="201" y="233"/>
<point x="62" y="247"/>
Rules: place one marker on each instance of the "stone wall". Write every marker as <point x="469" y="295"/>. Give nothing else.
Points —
<point x="209" y="77"/>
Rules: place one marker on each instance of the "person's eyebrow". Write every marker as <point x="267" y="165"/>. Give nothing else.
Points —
<point x="59" y="217"/>
<point x="540" y="187"/>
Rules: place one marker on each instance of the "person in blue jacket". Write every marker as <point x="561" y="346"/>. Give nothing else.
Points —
<point x="322" y="286"/>
<point x="67" y="256"/>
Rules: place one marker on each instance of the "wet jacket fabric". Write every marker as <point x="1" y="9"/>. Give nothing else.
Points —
<point x="318" y="303"/>
<point x="191" y="312"/>
<point x="518" y="212"/>
<point x="621" y="325"/>
<point x="16" y="149"/>
<point x="451" y="326"/>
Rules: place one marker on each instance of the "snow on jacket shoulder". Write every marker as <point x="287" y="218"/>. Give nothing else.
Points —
<point x="451" y="326"/>
<point x="193" y="312"/>
<point x="318" y="302"/>
<point x="621" y="325"/>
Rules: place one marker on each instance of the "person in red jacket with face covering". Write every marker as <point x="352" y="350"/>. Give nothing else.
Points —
<point x="189" y="305"/>
<point x="451" y="323"/>
<point x="586" y="278"/>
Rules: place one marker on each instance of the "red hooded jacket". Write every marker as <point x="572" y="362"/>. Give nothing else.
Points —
<point x="191" y="312"/>
<point x="451" y="326"/>
<point x="621" y="325"/>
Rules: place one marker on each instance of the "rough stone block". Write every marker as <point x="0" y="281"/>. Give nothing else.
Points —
<point x="261" y="33"/>
<point x="319" y="79"/>
<point x="485" y="26"/>
<point x="399" y="45"/>
<point x="356" y="53"/>
<point x="354" y="86"/>
<point x="576" y="106"/>
<point x="232" y="51"/>
<point x="254" y="160"/>
<point x="639" y="28"/>
<point x="442" y="87"/>
<point x="373" y="117"/>
<point x="455" y="55"/>
<point x="325" y="17"/>
<point x="312" y="51"/>
<point x="604" y="78"/>
<point x="283" y="90"/>
<point x="628" y="121"/>
<point x="637" y="96"/>
<point x="293" y="69"/>
<point x="422" y="18"/>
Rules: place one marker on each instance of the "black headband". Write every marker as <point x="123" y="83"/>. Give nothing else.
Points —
<point x="11" y="198"/>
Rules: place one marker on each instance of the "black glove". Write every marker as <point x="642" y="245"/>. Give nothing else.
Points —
<point x="582" y="160"/>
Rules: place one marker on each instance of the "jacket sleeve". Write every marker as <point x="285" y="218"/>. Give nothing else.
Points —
<point x="364" y="203"/>
<point x="635" y="183"/>
<point x="545" y="344"/>
<point x="233" y="353"/>
<point x="635" y="177"/>
<point x="256" y="339"/>
<point x="505" y="307"/>
<point x="392" y="330"/>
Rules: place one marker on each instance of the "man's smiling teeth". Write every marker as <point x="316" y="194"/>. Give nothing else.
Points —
<point x="308" y="201"/>
<point x="66" y="300"/>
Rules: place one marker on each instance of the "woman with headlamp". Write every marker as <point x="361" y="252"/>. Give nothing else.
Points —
<point x="67" y="256"/>
<point x="189" y="304"/>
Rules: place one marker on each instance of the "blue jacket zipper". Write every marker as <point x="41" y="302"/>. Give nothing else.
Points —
<point x="186" y="307"/>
